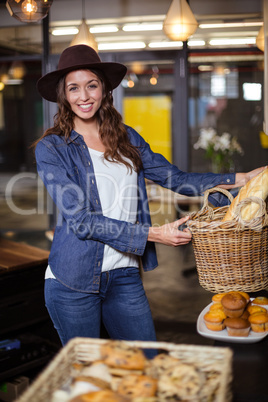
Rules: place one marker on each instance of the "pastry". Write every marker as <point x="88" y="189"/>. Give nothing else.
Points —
<point x="159" y="364"/>
<point x="214" y="320"/>
<point x="119" y="355"/>
<point x="254" y="308"/>
<point x="217" y="297"/>
<point x="133" y="386"/>
<point x="257" y="187"/>
<point x="260" y="300"/>
<point x="216" y="306"/>
<point x="183" y="382"/>
<point x="259" y="322"/>
<point x="100" y="396"/>
<point x="233" y="304"/>
<point x="237" y="326"/>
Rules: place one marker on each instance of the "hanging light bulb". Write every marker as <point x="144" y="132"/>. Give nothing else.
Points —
<point x="180" y="22"/>
<point x="84" y="37"/>
<point x="260" y="39"/>
<point x="29" y="7"/>
<point x="28" y="10"/>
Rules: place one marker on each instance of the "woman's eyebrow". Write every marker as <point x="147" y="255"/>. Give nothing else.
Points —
<point x="74" y="83"/>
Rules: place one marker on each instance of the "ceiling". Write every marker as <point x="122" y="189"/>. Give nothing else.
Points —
<point x="27" y="38"/>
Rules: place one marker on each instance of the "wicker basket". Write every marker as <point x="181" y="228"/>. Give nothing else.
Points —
<point x="231" y="255"/>
<point x="214" y="362"/>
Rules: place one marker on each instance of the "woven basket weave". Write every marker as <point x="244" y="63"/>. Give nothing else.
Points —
<point x="231" y="255"/>
<point x="214" y="362"/>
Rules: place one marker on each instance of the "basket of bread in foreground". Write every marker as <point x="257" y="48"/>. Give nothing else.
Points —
<point x="102" y="370"/>
<point x="230" y="243"/>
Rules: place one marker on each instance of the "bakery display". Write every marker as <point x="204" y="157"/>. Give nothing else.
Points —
<point x="235" y="314"/>
<point x="112" y="377"/>
<point x="256" y="187"/>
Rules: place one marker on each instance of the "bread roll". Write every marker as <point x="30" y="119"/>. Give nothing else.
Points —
<point x="257" y="187"/>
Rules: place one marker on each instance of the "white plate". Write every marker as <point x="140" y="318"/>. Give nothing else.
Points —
<point x="223" y="335"/>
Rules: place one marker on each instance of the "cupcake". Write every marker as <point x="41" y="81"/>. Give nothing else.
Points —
<point x="214" y="320"/>
<point x="237" y="326"/>
<point x="216" y="306"/>
<point x="217" y="297"/>
<point x="260" y="300"/>
<point x="233" y="304"/>
<point x="259" y="322"/>
<point x="254" y="308"/>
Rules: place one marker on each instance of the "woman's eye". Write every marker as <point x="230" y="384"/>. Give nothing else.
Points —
<point x="72" y="88"/>
<point x="92" y="86"/>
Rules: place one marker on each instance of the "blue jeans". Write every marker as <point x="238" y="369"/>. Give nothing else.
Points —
<point x="121" y="305"/>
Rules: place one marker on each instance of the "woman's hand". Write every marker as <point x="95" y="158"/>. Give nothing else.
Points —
<point x="169" y="234"/>
<point x="242" y="178"/>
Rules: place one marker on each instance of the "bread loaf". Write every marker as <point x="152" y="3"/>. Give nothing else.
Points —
<point x="257" y="187"/>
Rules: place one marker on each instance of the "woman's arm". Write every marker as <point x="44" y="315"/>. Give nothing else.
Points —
<point x="242" y="178"/>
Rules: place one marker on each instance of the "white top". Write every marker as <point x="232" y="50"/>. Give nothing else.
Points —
<point x="118" y="192"/>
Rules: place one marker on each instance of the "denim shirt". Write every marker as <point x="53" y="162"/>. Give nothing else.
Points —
<point x="82" y="230"/>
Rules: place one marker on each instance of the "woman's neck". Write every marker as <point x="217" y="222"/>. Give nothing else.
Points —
<point x="90" y="131"/>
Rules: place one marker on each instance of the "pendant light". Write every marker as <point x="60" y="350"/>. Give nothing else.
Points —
<point x="260" y="39"/>
<point x="28" y="10"/>
<point x="180" y="22"/>
<point x="84" y="37"/>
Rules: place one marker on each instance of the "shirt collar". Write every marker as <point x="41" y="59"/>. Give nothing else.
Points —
<point x="73" y="136"/>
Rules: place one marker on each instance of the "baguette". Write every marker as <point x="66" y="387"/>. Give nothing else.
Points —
<point x="257" y="187"/>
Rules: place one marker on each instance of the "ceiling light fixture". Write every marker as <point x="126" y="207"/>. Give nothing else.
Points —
<point x="84" y="37"/>
<point x="121" y="45"/>
<point x="64" y="31"/>
<point x="260" y="39"/>
<point x="165" y="44"/>
<point x="180" y="22"/>
<point x="104" y="29"/>
<point x="28" y="10"/>
<point x="234" y="41"/>
<point x="143" y="27"/>
<point x="230" y="25"/>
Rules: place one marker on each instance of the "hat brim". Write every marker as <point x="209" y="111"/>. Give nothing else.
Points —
<point x="46" y="85"/>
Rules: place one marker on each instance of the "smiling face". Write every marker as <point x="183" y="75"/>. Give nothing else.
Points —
<point x="83" y="90"/>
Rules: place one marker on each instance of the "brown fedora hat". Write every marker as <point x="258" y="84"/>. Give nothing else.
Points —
<point x="76" y="58"/>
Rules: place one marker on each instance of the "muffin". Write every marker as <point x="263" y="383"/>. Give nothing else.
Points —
<point x="254" y="308"/>
<point x="217" y="297"/>
<point x="237" y="326"/>
<point x="233" y="304"/>
<point x="216" y="306"/>
<point x="260" y="300"/>
<point x="246" y="295"/>
<point x="259" y="322"/>
<point x="214" y="320"/>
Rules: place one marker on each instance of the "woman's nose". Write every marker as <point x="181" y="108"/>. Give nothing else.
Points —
<point x="84" y="94"/>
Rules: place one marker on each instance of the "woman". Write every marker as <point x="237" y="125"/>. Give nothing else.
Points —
<point x="94" y="168"/>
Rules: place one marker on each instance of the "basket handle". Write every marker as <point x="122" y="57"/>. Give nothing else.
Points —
<point x="215" y="190"/>
<point x="261" y="211"/>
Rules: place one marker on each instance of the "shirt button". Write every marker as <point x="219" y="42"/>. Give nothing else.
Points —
<point x="137" y="222"/>
<point x="89" y="163"/>
<point x="98" y="263"/>
<point x="97" y="201"/>
<point x="84" y="146"/>
<point x="136" y="250"/>
<point x="228" y="180"/>
<point x="92" y="181"/>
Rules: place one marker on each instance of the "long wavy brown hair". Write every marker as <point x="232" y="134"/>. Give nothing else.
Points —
<point x="112" y="131"/>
